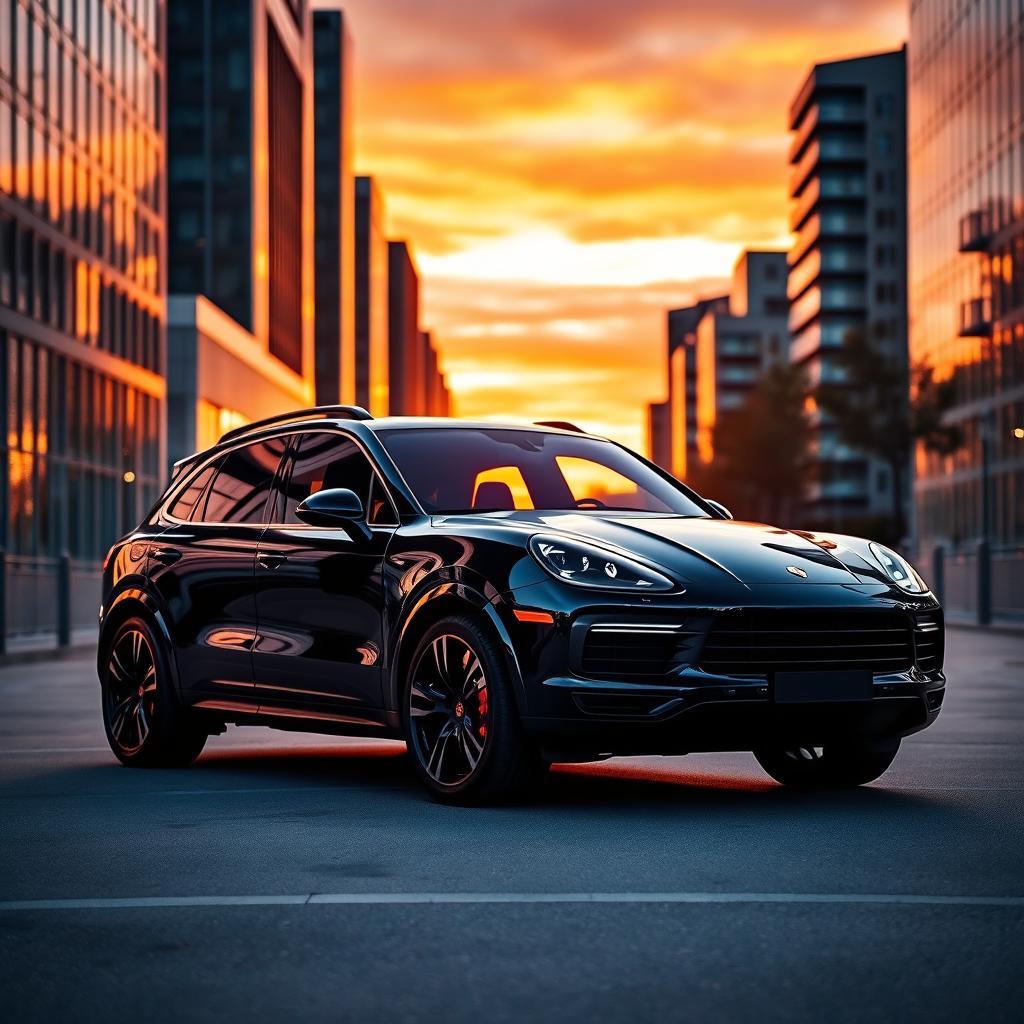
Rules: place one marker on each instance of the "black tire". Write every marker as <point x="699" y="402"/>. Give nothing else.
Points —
<point x="461" y="723"/>
<point x="835" y="766"/>
<point x="146" y="725"/>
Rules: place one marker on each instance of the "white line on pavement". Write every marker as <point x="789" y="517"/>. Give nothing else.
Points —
<point x="402" y="898"/>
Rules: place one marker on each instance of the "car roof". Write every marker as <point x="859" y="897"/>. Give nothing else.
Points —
<point x="447" y="422"/>
<point x="302" y="421"/>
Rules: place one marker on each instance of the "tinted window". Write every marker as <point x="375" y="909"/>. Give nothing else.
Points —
<point x="242" y="485"/>
<point x="323" y="461"/>
<point x="463" y="470"/>
<point x="182" y="508"/>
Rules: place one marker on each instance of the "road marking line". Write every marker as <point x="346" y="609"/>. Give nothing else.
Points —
<point x="406" y="898"/>
<point x="54" y="750"/>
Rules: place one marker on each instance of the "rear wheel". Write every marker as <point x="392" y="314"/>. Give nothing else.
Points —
<point x="834" y="766"/>
<point x="461" y="723"/>
<point x="145" y="724"/>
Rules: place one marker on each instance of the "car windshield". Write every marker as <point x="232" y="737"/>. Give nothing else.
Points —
<point x="462" y="469"/>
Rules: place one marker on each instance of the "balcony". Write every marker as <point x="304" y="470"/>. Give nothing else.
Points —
<point x="976" y="231"/>
<point x="830" y="298"/>
<point x="829" y="149"/>
<point x="844" y="113"/>
<point x="976" y="318"/>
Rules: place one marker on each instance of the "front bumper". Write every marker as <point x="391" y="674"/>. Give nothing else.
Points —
<point x="583" y="718"/>
<point x="574" y="713"/>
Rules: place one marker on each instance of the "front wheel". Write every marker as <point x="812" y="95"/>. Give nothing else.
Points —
<point x="461" y="723"/>
<point x="834" y="766"/>
<point x="145" y="724"/>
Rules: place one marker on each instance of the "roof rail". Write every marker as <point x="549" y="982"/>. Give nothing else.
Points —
<point x="341" y="412"/>
<point x="560" y="425"/>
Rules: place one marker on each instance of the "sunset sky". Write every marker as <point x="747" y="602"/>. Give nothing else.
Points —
<point x="568" y="169"/>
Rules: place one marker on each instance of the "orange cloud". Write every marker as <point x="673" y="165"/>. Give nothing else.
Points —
<point x="567" y="169"/>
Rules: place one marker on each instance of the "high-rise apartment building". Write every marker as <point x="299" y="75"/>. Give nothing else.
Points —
<point x="405" y="349"/>
<point x="848" y="262"/>
<point x="240" y="213"/>
<point x="966" y="152"/>
<point x="82" y="291"/>
<point x="371" y="299"/>
<point x="336" y="371"/>
<point x="737" y="343"/>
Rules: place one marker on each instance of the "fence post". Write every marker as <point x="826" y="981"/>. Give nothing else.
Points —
<point x="3" y="600"/>
<point x="939" y="573"/>
<point x="984" y="560"/>
<point x="64" y="600"/>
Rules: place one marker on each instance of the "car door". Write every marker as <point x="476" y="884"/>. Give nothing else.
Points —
<point x="203" y="567"/>
<point x="320" y="592"/>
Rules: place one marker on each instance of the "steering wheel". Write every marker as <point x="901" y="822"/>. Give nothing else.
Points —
<point x="590" y="503"/>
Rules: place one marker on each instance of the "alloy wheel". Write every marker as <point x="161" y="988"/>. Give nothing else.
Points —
<point x="448" y="710"/>
<point x="805" y="754"/>
<point x="131" y="690"/>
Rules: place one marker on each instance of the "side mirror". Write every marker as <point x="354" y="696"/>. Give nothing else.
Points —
<point x="335" y="508"/>
<point x="719" y="507"/>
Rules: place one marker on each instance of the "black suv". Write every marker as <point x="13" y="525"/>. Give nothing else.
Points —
<point x="501" y="597"/>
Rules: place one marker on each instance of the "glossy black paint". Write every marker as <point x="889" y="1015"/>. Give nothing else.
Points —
<point x="308" y="627"/>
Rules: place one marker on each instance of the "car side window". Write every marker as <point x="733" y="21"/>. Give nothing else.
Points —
<point x="187" y="500"/>
<point x="323" y="461"/>
<point x="379" y="510"/>
<point x="240" y="489"/>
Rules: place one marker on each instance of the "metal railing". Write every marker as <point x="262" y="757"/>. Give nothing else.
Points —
<point x="46" y="597"/>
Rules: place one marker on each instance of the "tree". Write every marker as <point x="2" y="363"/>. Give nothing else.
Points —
<point x="761" y="450"/>
<point x="873" y="412"/>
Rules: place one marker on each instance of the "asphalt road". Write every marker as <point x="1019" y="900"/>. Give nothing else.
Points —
<point x="306" y="878"/>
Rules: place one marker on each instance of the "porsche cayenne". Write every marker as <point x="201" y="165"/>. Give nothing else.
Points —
<point x="501" y="598"/>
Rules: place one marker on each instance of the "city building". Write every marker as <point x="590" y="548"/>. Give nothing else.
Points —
<point x="220" y="376"/>
<point x="737" y="341"/>
<point x="659" y="436"/>
<point x="240" y="211"/>
<point x="371" y="299"/>
<point x="405" y="349"/>
<point x="82" y="295"/>
<point x="966" y="154"/>
<point x="336" y="375"/>
<point x="680" y="448"/>
<point x="847" y="266"/>
<point x="436" y="399"/>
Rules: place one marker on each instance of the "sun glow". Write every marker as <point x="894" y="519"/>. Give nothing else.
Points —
<point x="567" y="172"/>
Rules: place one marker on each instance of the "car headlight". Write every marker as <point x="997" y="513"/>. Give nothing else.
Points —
<point x="585" y="564"/>
<point x="898" y="569"/>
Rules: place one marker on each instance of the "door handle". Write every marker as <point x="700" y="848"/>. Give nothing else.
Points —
<point x="166" y="555"/>
<point x="270" y="560"/>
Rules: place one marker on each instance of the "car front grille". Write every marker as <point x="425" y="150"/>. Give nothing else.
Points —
<point x="929" y="641"/>
<point x="634" y="650"/>
<point x="757" y="642"/>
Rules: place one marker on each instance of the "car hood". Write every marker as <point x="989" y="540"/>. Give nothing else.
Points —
<point x="710" y="550"/>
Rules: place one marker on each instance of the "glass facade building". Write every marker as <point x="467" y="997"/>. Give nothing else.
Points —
<point x="966" y="153"/>
<point x="239" y="171"/>
<point x="82" y="289"/>
<point x="241" y="215"/>
<point x="847" y="271"/>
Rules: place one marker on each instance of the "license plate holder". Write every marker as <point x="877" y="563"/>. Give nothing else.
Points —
<point x="823" y="687"/>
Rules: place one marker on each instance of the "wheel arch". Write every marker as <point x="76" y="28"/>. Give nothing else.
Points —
<point x="130" y="602"/>
<point x="440" y="602"/>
